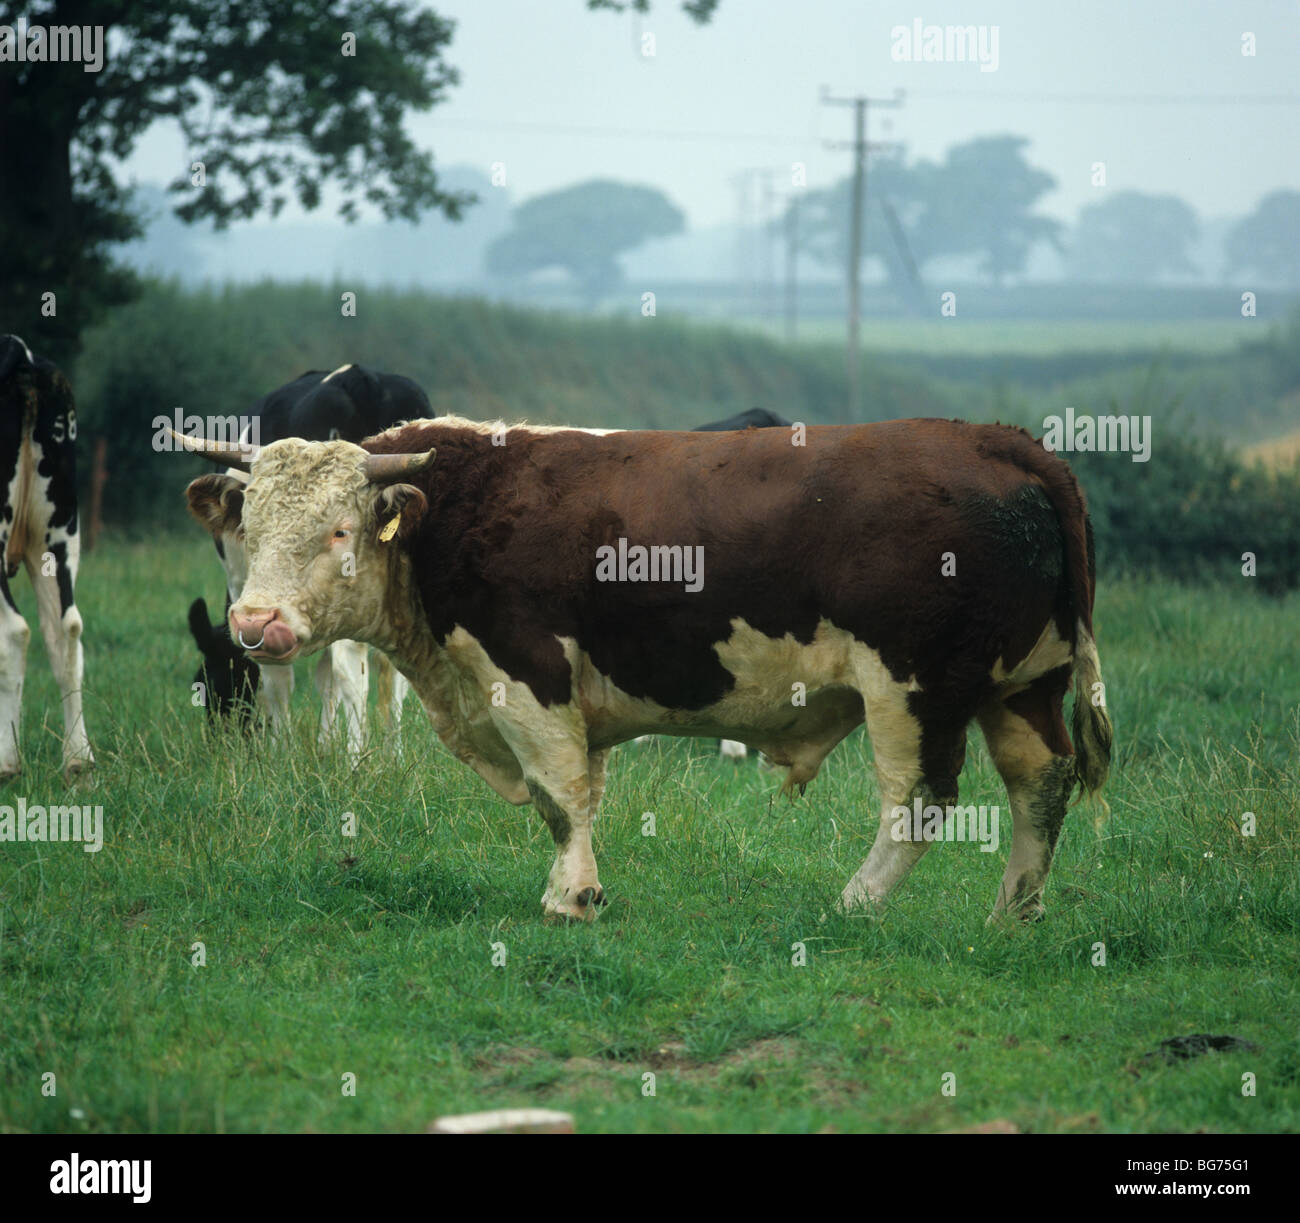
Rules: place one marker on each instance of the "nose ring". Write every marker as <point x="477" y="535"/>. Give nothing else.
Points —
<point x="255" y="645"/>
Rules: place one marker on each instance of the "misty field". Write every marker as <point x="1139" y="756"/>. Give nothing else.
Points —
<point x="1029" y="337"/>
<point x="374" y="955"/>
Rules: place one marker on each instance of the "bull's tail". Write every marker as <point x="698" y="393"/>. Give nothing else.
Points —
<point x="1091" y="729"/>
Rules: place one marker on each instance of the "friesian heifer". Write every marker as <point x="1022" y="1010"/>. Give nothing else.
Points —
<point x="38" y="528"/>
<point x="920" y="574"/>
<point x="350" y="403"/>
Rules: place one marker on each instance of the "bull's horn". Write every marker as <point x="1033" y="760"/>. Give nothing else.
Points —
<point x="389" y="468"/>
<point x="228" y="454"/>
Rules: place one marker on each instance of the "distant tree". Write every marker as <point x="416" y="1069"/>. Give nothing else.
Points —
<point x="1267" y="243"/>
<point x="583" y="229"/>
<point x="266" y="98"/>
<point x="979" y="201"/>
<point x="1134" y="237"/>
<point x="893" y="185"/>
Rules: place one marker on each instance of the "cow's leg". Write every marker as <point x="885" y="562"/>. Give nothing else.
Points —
<point x="274" y="688"/>
<point x="391" y="687"/>
<point x="343" y="678"/>
<point x="552" y="752"/>
<point x="1030" y="746"/>
<point x="54" y="576"/>
<point x="562" y="794"/>
<point x="913" y="760"/>
<point x="401" y="686"/>
<point x="14" y="636"/>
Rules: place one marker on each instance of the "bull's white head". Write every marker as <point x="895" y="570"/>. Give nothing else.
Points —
<point x="318" y="523"/>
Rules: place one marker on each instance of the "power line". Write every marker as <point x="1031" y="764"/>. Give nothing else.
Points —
<point x="785" y="140"/>
<point x="1118" y="99"/>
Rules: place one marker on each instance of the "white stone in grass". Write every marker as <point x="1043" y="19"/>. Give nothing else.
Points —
<point x="506" y="1121"/>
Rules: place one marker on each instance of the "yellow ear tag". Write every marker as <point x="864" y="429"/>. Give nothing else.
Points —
<point x="390" y="529"/>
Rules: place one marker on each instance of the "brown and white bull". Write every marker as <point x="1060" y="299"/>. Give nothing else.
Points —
<point x="917" y="574"/>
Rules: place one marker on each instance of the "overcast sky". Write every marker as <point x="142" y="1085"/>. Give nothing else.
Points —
<point x="1159" y="90"/>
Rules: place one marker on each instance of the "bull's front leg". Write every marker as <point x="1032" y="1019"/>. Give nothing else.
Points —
<point x="565" y="784"/>
<point x="573" y="889"/>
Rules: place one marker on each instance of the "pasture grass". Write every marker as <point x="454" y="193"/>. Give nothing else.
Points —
<point x="373" y="955"/>
<point x="1030" y="337"/>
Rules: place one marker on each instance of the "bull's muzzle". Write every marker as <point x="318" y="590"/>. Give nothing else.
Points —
<point x="263" y="634"/>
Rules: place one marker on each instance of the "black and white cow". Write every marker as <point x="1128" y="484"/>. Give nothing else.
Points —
<point x="755" y="418"/>
<point x="38" y="528"/>
<point x="348" y="404"/>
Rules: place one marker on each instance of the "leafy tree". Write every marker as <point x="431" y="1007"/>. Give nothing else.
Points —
<point x="1267" y="243"/>
<point x="583" y="229"/>
<point x="267" y="99"/>
<point x="980" y="201"/>
<point x="1134" y="237"/>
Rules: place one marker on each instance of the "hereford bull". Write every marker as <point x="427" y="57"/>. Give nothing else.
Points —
<point x="918" y="574"/>
<point x="38" y="529"/>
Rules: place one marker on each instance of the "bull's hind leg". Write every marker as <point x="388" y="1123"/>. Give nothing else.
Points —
<point x="917" y="756"/>
<point x="54" y="575"/>
<point x="14" y="636"/>
<point x="1028" y="742"/>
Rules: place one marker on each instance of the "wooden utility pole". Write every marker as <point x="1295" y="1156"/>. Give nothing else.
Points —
<point x="857" y="205"/>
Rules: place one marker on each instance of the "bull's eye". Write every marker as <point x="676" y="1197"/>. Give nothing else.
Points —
<point x="341" y="533"/>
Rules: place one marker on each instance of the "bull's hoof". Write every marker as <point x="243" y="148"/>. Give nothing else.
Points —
<point x="8" y="774"/>
<point x="581" y="908"/>
<point x="77" y="768"/>
<point x="857" y="899"/>
<point x="1013" y="918"/>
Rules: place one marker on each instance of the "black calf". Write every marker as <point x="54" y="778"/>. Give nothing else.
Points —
<point x="229" y="680"/>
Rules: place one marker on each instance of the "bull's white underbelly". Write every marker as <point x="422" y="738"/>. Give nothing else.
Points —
<point x="783" y="690"/>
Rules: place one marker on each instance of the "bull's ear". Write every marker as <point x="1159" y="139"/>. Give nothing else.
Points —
<point x="398" y="509"/>
<point x="216" y="501"/>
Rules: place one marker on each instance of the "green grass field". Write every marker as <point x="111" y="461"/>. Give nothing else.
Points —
<point x="1024" y="337"/>
<point x="373" y="956"/>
